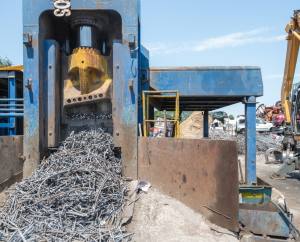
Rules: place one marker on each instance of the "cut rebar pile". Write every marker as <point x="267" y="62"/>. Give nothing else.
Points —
<point x="89" y="116"/>
<point x="77" y="194"/>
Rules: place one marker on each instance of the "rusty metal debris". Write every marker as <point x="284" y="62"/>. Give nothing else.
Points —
<point x="89" y="116"/>
<point x="263" y="141"/>
<point x="77" y="194"/>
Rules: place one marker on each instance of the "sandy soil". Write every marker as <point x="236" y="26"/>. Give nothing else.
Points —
<point x="158" y="217"/>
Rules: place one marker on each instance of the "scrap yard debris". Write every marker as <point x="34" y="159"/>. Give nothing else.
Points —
<point x="77" y="194"/>
<point x="263" y="141"/>
<point x="89" y="116"/>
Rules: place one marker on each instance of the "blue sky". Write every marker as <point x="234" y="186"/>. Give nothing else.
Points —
<point x="196" y="33"/>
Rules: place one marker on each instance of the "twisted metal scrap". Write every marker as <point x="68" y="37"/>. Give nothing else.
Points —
<point x="89" y="116"/>
<point x="263" y="141"/>
<point x="77" y="194"/>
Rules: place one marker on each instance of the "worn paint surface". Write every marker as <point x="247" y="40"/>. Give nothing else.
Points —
<point x="215" y="82"/>
<point x="125" y="108"/>
<point x="51" y="87"/>
<point x="203" y="174"/>
<point x="250" y="111"/>
<point x="264" y="220"/>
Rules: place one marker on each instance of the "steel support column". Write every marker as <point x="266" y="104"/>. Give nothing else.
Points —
<point x="205" y="125"/>
<point x="12" y="95"/>
<point x="250" y="112"/>
<point x="51" y="90"/>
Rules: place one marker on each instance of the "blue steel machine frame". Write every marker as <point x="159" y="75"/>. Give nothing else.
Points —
<point x="127" y="71"/>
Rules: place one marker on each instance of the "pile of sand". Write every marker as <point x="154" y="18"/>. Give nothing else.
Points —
<point x="192" y="127"/>
<point x="158" y="217"/>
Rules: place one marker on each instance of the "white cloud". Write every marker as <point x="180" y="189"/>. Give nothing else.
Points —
<point x="273" y="76"/>
<point x="261" y="35"/>
<point x="278" y="77"/>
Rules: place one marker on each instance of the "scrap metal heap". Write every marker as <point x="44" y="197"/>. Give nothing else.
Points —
<point x="76" y="194"/>
<point x="272" y="114"/>
<point x="264" y="142"/>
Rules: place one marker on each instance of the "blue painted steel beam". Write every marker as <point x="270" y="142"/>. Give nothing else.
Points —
<point x="6" y="126"/>
<point x="209" y="81"/>
<point x="144" y="77"/>
<point x="205" y="125"/>
<point x="51" y="88"/>
<point x="12" y="95"/>
<point x="11" y="115"/>
<point x="250" y="111"/>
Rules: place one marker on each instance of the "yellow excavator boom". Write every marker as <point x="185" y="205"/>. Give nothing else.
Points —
<point x="293" y="38"/>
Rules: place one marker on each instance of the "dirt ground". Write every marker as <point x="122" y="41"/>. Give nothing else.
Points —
<point x="289" y="187"/>
<point x="158" y="217"/>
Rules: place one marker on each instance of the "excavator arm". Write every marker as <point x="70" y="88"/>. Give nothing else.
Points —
<point x="293" y="38"/>
<point x="291" y="141"/>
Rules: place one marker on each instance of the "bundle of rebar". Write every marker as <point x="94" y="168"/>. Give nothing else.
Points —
<point x="77" y="194"/>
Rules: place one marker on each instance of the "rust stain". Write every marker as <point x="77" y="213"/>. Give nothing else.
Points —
<point x="194" y="171"/>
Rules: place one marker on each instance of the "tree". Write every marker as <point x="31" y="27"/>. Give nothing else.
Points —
<point x="5" y="62"/>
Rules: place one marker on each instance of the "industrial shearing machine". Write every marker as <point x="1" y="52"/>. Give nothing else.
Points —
<point x="85" y="59"/>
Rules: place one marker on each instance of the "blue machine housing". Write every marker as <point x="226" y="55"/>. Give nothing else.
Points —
<point x="128" y="62"/>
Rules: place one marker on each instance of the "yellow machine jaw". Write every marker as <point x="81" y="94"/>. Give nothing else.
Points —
<point x="88" y="77"/>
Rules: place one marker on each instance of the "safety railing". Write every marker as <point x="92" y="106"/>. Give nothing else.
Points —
<point x="154" y="99"/>
<point x="10" y="108"/>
